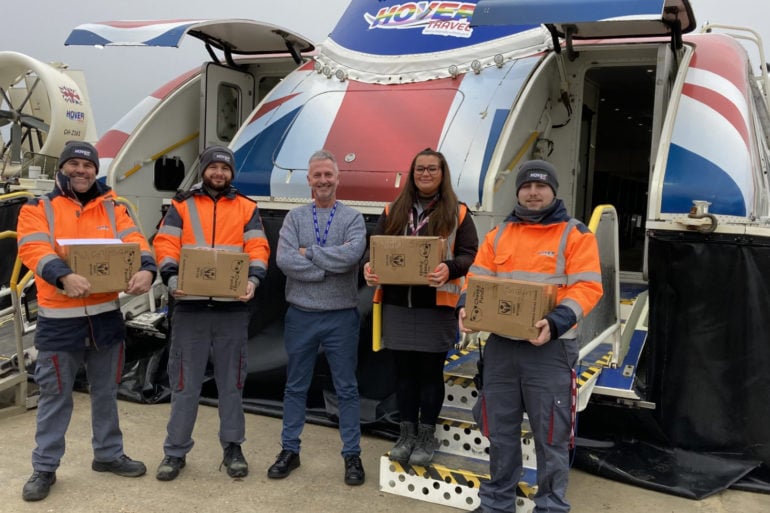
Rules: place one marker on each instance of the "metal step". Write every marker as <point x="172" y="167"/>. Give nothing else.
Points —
<point x="449" y="480"/>
<point x="460" y="392"/>
<point x="458" y="434"/>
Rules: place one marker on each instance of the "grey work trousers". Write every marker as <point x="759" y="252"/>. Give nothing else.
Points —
<point x="196" y="334"/>
<point x="55" y="374"/>
<point x="519" y="377"/>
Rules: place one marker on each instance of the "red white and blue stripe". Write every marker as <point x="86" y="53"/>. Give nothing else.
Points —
<point x="711" y="156"/>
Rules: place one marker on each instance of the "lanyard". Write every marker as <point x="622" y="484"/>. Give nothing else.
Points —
<point x="319" y="241"/>
<point x="416" y="228"/>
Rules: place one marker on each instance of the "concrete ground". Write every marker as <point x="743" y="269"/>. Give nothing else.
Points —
<point x="315" y="487"/>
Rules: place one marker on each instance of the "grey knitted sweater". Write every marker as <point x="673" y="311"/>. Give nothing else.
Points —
<point x="326" y="278"/>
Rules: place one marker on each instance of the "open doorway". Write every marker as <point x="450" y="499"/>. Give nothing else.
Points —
<point x="618" y="136"/>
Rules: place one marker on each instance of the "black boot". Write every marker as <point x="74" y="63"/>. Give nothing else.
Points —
<point x="38" y="485"/>
<point x="425" y="446"/>
<point x="405" y="443"/>
<point x="234" y="461"/>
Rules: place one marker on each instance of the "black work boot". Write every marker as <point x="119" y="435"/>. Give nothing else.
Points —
<point x="169" y="468"/>
<point x="123" y="466"/>
<point x="405" y="443"/>
<point x="234" y="461"/>
<point x="425" y="446"/>
<point x="38" y="485"/>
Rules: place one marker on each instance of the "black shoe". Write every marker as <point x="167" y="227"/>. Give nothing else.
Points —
<point x="169" y="468"/>
<point x="285" y="462"/>
<point x="354" y="471"/>
<point x="123" y="466"/>
<point x="234" y="461"/>
<point x="38" y="485"/>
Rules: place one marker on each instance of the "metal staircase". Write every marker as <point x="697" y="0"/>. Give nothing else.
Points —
<point x="461" y="462"/>
<point x="13" y="376"/>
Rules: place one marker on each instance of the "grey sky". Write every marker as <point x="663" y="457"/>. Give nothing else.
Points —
<point x="119" y="78"/>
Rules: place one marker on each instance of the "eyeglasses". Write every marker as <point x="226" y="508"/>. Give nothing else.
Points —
<point x="431" y="170"/>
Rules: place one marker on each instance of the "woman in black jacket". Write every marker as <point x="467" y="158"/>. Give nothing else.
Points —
<point x="418" y="321"/>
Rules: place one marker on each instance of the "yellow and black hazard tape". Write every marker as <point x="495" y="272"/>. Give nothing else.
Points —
<point x="593" y="369"/>
<point x="460" y="381"/>
<point x="458" y="477"/>
<point x="441" y="473"/>
<point x="457" y="424"/>
<point x="456" y="356"/>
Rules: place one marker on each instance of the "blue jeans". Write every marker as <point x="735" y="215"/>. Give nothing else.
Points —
<point x="336" y="332"/>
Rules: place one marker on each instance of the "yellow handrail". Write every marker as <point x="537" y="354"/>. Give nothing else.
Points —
<point x="14" y="195"/>
<point x="596" y="216"/>
<point x="15" y="283"/>
<point x="158" y="155"/>
<point x="131" y="212"/>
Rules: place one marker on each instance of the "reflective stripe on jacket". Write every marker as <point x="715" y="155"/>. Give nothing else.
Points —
<point x="560" y="251"/>
<point x="231" y="222"/>
<point x="449" y="292"/>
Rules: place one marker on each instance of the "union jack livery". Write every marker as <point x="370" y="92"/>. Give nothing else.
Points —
<point x="658" y="131"/>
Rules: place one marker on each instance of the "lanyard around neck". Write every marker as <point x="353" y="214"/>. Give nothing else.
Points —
<point x="322" y="242"/>
<point x="415" y="229"/>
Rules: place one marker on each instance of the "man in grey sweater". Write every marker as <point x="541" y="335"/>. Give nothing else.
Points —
<point x="319" y="250"/>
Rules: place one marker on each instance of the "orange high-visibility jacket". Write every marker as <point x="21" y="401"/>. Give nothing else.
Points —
<point x="60" y="215"/>
<point x="560" y="250"/>
<point x="196" y="220"/>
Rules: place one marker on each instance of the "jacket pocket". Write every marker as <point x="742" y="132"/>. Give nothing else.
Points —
<point x="559" y="417"/>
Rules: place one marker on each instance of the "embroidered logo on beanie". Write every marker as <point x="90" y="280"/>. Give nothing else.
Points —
<point x="79" y="150"/>
<point x="537" y="171"/>
<point x="214" y="154"/>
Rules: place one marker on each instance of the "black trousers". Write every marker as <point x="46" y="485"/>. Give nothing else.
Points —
<point x="419" y="385"/>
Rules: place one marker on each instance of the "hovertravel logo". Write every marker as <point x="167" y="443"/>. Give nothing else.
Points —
<point x="434" y="18"/>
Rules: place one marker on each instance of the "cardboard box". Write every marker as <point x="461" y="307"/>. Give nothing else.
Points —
<point x="402" y="260"/>
<point x="107" y="265"/>
<point x="213" y="273"/>
<point x="507" y="307"/>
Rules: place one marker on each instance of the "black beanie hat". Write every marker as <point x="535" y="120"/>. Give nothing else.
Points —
<point x="217" y="154"/>
<point x="537" y="171"/>
<point x="79" y="150"/>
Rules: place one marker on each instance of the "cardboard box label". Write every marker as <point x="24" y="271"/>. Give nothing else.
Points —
<point x="402" y="260"/>
<point x="212" y="273"/>
<point x="507" y="307"/>
<point x="108" y="266"/>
